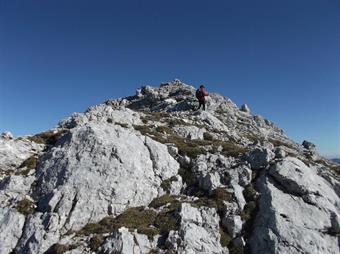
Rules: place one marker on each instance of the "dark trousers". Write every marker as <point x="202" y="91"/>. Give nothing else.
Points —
<point x="201" y="103"/>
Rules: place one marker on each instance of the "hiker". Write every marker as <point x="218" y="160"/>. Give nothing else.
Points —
<point x="200" y="95"/>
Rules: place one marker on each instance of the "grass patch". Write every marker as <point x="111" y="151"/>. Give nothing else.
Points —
<point x="155" y="116"/>
<point x="25" y="206"/>
<point x="190" y="147"/>
<point x="60" y="248"/>
<point x="145" y="221"/>
<point x="336" y="169"/>
<point x="225" y="238"/>
<point x="249" y="193"/>
<point x="248" y="210"/>
<point x="278" y="143"/>
<point x="124" y="125"/>
<point x="167" y="220"/>
<point x="29" y="164"/>
<point x="208" y="136"/>
<point x="166" y="184"/>
<point x="133" y="218"/>
<point x="48" y="137"/>
<point x="254" y="138"/>
<point x="163" y="200"/>
<point x="95" y="242"/>
<point x="216" y="199"/>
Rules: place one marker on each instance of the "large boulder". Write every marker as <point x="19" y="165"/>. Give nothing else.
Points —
<point x="199" y="231"/>
<point x="92" y="174"/>
<point x="260" y="158"/>
<point x="296" y="213"/>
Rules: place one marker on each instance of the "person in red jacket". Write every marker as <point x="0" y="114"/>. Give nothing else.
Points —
<point x="200" y="95"/>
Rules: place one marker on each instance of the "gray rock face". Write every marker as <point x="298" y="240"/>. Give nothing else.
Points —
<point x="233" y="224"/>
<point x="260" y="158"/>
<point x="245" y="108"/>
<point x="292" y="213"/>
<point x="69" y="175"/>
<point x="202" y="191"/>
<point x="6" y="135"/>
<point x="199" y="230"/>
<point x="14" y="152"/>
<point x="11" y="225"/>
<point x="191" y="132"/>
<point x="124" y="242"/>
<point x="309" y="145"/>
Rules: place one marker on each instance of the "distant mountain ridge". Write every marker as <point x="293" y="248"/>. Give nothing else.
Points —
<point x="149" y="174"/>
<point x="337" y="160"/>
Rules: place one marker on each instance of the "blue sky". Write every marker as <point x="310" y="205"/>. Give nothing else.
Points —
<point x="282" y="58"/>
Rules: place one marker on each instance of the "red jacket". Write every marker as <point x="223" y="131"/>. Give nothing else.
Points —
<point x="203" y="94"/>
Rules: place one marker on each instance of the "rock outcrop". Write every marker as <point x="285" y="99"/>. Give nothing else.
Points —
<point x="146" y="174"/>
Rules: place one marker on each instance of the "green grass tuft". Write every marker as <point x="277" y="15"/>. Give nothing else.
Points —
<point x="25" y="206"/>
<point x="166" y="184"/>
<point x="248" y="210"/>
<point x="163" y="200"/>
<point x="249" y="193"/>
<point x="95" y="242"/>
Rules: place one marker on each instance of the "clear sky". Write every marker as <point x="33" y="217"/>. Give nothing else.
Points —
<point x="282" y="58"/>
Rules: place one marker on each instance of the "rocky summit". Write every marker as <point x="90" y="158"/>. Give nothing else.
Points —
<point x="148" y="174"/>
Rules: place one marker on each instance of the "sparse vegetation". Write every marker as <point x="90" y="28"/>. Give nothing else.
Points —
<point x="248" y="210"/>
<point x="145" y="221"/>
<point x="208" y="136"/>
<point x="48" y="137"/>
<point x="60" y="248"/>
<point x="166" y="184"/>
<point x="216" y="199"/>
<point x="336" y="170"/>
<point x="163" y="200"/>
<point x="190" y="147"/>
<point x="124" y="125"/>
<point x="254" y="138"/>
<point x="95" y="242"/>
<point x="225" y="238"/>
<point x="25" y="206"/>
<point x="278" y="143"/>
<point x="29" y="164"/>
<point x="249" y="193"/>
<point x="155" y="116"/>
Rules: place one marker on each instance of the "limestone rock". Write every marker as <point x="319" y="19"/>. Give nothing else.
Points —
<point x="199" y="230"/>
<point x="309" y="145"/>
<point x="245" y="108"/>
<point x="294" y="207"/>
<point x="260" y="158"/>
<point x="11" y="225"/>
<point x="191" y="132"/>
<point x="69" y="176"/>
<point x="124" y="242"/>
<point x="233" y="224"/>
<point x="14" y="152"/>
<point x="6" y="135"/>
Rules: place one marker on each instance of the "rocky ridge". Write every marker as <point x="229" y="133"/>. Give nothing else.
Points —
<point x="146" y="174"/>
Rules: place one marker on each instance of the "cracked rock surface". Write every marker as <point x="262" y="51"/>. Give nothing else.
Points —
<point x="147" y="174"/>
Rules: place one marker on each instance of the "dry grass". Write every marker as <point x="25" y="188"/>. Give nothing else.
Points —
<point x="48" y="137"/>
<point x="145" y="221"/>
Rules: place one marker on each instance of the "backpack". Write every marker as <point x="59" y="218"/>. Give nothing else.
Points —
<point x="199" y="94"/>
